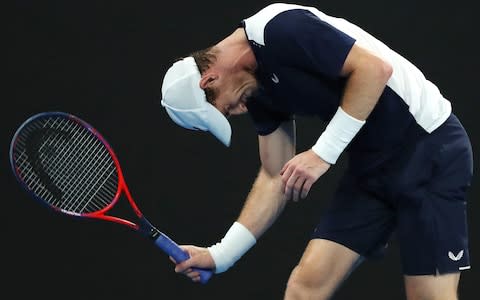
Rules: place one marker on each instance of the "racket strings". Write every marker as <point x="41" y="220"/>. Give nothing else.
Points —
<point x="65" y="154"/>
<point x="24" y="160"/>
<point x="36" y="158"/>
<point x="67" y="165"/>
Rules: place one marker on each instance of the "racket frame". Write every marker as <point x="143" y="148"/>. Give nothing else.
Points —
<point x="144" y="227"/>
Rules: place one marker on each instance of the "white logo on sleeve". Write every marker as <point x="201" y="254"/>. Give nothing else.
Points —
<point x="275" y="78"/>
<point x="455" y="257"/>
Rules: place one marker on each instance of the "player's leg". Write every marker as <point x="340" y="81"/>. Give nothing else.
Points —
<point x="432" y="213"/>
<point x="432" y="287"/>
<point x="356" y="225"/>
<point x="322" y="268"/>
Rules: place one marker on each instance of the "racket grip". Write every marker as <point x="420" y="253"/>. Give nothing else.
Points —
<point x="173" y="250"/>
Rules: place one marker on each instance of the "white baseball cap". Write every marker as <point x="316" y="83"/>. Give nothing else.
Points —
<point x="186" y="102"/>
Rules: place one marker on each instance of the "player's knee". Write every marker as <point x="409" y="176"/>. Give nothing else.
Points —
<point x="431" y="296"/>
<point x="301" y="285"/>
<point x="427" y="294"/>
<point x="440" y="287"/>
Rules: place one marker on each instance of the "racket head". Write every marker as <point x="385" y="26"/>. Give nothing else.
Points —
<point x="64" y="163"/>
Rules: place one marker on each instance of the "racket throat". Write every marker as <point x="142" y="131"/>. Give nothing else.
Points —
<point x="147" y="229"/>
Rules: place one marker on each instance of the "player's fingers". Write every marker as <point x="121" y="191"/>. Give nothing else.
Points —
<point x="307" y="185"/>
<point x="297" y="188"/>
<point x="201" y="258"/>
<point x="190" y="273"/>
<point x="284" y="168"/>
<point x="290" y="186"/>
<point x="294" y="195"/>
<point x="184" y="266"/>
<point x="285" y="178"/>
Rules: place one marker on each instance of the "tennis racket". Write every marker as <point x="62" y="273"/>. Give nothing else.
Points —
<point x="65" y="163"/>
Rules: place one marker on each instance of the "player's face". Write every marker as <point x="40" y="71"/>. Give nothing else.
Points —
<point x="233" y="91"/>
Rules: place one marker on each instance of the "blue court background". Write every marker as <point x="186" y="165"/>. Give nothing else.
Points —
<point x="104" y="61"/>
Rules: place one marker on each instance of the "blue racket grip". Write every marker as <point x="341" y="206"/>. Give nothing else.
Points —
<point x="173" y="250"/>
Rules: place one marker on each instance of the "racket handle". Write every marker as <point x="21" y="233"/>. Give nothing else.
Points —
<point x="173" y="250"/>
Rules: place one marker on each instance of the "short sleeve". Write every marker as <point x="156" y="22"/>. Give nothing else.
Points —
<point x="265" y="119"/>
<point x="308" y="42"/>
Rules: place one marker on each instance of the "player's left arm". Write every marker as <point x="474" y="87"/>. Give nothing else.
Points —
<point x="367" y="75"/>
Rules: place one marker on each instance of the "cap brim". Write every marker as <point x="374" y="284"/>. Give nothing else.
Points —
<point x="217" y="124"/>
<point x="186" y="102"/>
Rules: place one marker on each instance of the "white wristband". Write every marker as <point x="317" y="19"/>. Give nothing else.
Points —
<point x="339" y="132"/>
<point x="236" y="242"/>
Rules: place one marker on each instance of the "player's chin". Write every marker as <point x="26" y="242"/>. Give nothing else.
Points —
<point x="239" y="112"/>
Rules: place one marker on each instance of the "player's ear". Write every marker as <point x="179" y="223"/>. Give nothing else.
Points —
<point x="243" y="108"/>
<point x="208" y="80"/>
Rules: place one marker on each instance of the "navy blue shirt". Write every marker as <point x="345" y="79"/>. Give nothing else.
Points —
<point x="300" y="52"/>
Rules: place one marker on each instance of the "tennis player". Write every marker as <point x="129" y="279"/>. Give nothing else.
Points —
<point x="409" y="157"/>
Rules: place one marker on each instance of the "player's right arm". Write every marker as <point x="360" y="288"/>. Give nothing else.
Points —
<point x="264" y="203"/>
<point x="266" y="199"/>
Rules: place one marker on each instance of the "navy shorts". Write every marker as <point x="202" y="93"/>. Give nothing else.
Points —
<point x="418" y="195"/>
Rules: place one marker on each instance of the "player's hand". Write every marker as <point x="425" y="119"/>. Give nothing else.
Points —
<point x="199" y="258"/>
<point x="301" y="172"/>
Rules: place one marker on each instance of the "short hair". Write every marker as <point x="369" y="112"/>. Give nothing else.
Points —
<point x="204" y="59"/>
